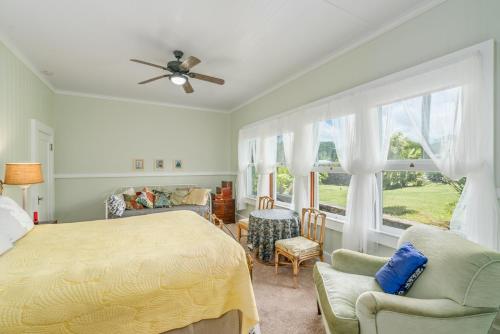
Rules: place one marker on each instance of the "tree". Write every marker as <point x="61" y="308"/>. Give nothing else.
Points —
<point x="403" y="148"/>
<point x="284" y="180"/>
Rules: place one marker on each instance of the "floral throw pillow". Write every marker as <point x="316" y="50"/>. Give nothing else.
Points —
<point x="116" y="205"/>
<point x="179" y="195"/>
<point x="146" y="199"/>
<point x="131" y="202"/>
<point x="162" y="199"/>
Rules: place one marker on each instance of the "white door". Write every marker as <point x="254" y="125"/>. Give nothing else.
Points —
<point x="42" y="151"/>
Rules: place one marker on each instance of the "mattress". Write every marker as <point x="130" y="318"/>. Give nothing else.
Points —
<point x="145" y="274"/>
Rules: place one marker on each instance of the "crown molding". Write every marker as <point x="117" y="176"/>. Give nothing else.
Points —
<point x="140" y="174"/>
<point x="24" y="60"/>
<point x="126" y="99"/>
<point x="394" y="24"/>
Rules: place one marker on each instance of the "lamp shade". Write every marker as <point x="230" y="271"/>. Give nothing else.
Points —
<point x="23" y="173"/>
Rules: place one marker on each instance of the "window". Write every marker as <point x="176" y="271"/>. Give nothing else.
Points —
<point x="284" y="185"/>
<point x="282" y="178"/>
<point x="413" y="190"/>
<point x="418" y="197"/>
<point x="331" y="181"/>
<point x="252" y="181"/>
<point x="252" y="178"/>
<point x="332" y="192"/>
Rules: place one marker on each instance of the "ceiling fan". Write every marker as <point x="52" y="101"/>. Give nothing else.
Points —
<point x="180" y="72"/>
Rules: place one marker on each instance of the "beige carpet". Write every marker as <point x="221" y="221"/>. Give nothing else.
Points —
<point x="283" y="309"/>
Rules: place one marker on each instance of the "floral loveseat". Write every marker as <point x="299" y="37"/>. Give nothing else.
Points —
<point x="135" y="201"/>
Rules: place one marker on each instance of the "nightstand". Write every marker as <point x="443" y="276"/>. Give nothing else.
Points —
<point x="41" y="222"/>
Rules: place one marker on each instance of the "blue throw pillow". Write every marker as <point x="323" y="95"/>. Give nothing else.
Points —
<point x="402" y="270"/>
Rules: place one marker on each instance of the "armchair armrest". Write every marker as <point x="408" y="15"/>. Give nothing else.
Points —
<point x="411" y="315"/>
<point x="372" y="302"/>
<point x="357" y="263"/>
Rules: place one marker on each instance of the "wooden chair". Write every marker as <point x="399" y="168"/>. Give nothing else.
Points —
<point x="250" y="265"/>
<point x="265" y="203"/>
<point x="305" y="247"/>
<point x="217" y="221"/>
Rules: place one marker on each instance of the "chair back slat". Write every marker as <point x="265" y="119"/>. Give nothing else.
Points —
<point x="217" y="221"/>
<point x="311" y="218"/>
<point x="315" y="230"/>
<point x="266" y="203"/>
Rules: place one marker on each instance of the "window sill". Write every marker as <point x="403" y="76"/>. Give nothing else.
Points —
<point x="382" y="237"/>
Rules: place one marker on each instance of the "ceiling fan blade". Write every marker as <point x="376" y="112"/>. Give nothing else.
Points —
<point x="189" y="63"/>
<point x="150" y="64"/>
<point x="153" y="79"/>
<point x="207" y="78"/>
<point x="187" y="87"/>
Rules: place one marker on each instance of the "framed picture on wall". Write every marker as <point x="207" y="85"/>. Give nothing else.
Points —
<point x="177" y="164"/>
<point x="138" y="164"/>
<point x="159" y="164"/>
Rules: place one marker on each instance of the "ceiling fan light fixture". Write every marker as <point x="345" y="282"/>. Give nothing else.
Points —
<point x="178" y="79"/>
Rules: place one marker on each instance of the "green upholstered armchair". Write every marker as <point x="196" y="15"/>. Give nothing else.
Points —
<point x="458" y="292"/>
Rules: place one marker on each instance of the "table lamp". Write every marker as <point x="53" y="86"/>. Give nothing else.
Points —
<point x="23" y="175"/>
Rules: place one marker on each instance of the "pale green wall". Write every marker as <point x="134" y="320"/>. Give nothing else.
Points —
<point x="104" y="136"/>
<point x="23" y="96"/>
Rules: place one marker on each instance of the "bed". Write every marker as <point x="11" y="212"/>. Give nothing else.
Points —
<point x="148" y="274"/>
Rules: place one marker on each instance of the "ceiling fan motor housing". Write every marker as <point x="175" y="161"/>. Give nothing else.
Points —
<point x="175" y="66"/>
<point x="178" y="54"/>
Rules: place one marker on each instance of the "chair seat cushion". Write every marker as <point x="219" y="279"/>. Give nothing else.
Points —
<point x="298" y="246"/>
<point x="337" y="295"/>
<point x="243" y="223"/>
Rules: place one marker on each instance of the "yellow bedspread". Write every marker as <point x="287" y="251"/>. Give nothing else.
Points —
<point x="145" y="274"/>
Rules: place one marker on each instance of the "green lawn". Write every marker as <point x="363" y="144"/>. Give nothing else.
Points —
<point x="430" y="204"/>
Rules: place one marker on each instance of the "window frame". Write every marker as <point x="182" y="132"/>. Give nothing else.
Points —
<point x="425" y="164"/>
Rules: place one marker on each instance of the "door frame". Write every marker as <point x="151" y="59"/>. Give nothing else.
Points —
<point x="37" y="127"/>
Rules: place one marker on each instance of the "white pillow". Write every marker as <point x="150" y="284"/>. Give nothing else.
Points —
<point x="15" y="222"/>
<point x="5" y="244"/>
<point x="130" y="191"/>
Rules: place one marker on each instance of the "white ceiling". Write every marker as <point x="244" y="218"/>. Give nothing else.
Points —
<point x="85" y="46"/>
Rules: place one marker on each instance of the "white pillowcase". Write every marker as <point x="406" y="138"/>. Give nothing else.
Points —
<point x="5" y="244"/>
<point x="15" y="222"/>
<point x="130" y="191"/>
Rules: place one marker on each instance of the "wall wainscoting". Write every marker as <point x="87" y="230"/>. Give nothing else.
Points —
<point x="140" y="174"/>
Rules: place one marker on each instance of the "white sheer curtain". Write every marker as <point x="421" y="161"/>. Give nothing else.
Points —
<point x="463" y="150"/>
<point x="362" y="153"/>
<point x="301" y="149"/>
<point x="241" y="181"/>
<point x="265" y="159"/>
<point x="458" y="145"/>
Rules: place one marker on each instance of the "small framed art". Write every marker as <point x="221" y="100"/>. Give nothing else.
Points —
<point x="159" y="164"/>
<point x="177" y="164"/>
<point x="139" y="164"/>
